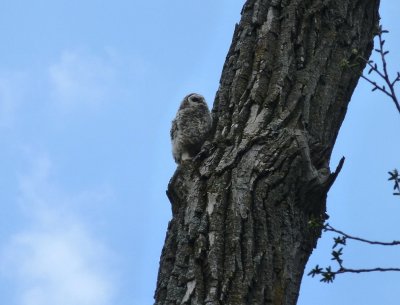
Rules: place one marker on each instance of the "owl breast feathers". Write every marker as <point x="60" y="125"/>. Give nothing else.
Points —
<point x="190" y="127"/>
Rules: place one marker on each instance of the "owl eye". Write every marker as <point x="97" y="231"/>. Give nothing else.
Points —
<point x="195" y="99"/>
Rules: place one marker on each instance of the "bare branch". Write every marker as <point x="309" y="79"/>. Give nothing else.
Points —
<point x="328" y="275"/>
<point x="384" y="74"/>
<point x="347" y="270"/>
<point x="328" y="227"/>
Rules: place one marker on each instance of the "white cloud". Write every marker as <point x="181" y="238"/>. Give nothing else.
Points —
<point x="81" y="79"/>
<point x="55" y="260"/>
<point x="58" y="268"/>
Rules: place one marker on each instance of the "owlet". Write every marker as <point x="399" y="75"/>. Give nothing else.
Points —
<point x="190" y="127"/>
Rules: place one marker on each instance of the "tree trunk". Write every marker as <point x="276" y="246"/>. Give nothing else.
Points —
<point x="240" y="232"/>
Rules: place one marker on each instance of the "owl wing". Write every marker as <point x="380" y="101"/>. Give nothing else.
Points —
<point x="194" y="124"/>
<point x="174" y="129"/>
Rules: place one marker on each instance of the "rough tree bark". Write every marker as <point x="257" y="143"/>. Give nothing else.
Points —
<point x="240" y="230"/>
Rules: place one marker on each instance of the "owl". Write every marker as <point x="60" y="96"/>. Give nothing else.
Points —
<point x="190" y="127"/>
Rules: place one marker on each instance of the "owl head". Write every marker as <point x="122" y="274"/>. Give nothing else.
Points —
<point x="195" y="98"/>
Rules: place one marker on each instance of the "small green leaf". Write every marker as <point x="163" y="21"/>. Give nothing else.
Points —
<point x="328" y="275"/>
<point x="315" y="271"/>
<point x="339" y="241"/>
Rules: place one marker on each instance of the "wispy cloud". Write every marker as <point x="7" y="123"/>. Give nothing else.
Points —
<point x="55" y="259"/>
<point x="79" y="78"/>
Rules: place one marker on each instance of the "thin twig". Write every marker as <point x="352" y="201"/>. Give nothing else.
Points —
<point x="376" y="86"/>
<point x="328" y="227"/>
<point x="382" y="74"/>
<point x="344" y="270"/>
<point x="386" y="78"/>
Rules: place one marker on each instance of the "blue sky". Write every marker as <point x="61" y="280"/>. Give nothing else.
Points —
<point x="88" y="90"/>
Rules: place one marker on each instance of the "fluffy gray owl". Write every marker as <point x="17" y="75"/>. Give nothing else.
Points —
<point x="190" y="127"/>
